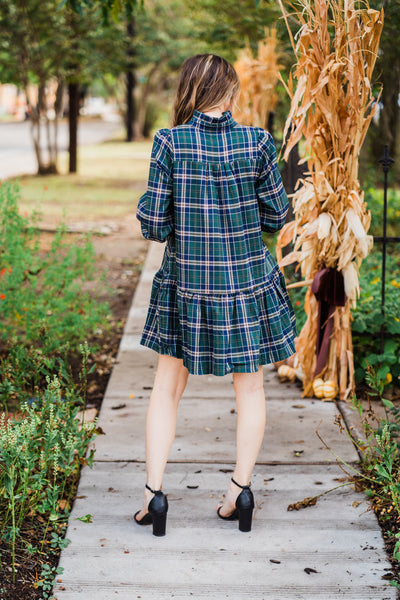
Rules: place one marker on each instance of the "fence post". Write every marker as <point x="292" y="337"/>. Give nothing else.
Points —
<point x="386" y="162"/>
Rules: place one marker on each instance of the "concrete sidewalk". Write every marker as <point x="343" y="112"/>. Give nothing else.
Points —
<point x="331" y="550"/>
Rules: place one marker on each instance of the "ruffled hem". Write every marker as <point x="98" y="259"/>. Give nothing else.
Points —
<point x="221" y="333"/>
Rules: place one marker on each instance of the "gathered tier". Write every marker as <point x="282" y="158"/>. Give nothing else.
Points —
<point x="221" y="333"/>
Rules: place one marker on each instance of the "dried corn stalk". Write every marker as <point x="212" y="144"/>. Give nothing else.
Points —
<point x="332" y="107"/>
<point x="258" y="78"/>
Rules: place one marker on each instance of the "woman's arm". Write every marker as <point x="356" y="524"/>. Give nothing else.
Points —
<point x="155" y="207"/>
<point x="272" y="198"/>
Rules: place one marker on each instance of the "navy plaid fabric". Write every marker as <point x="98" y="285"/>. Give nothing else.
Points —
<point x="219" y="300"/>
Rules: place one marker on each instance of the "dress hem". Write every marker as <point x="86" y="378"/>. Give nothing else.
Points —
<point x="236" y="368"/>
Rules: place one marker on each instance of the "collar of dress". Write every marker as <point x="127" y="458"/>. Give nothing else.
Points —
<point x="205" y="121"/>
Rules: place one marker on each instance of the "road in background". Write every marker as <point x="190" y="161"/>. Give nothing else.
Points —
<point x="17" y="155"/>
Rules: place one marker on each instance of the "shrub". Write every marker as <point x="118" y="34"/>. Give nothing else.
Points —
<point x="374" y="199"/>
<point x="42" y="300"/>
<point x="368" y="318"/>
<point x="41" y="453"/>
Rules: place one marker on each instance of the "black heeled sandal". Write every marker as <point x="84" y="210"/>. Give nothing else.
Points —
<point x="157" y="515"/>
<point x="244" y="508"/>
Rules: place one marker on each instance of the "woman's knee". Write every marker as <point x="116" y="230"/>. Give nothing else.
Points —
<point x="248" y="382"/>
<point x="170" y="374"/>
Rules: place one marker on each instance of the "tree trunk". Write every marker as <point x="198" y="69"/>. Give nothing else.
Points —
<point x="58" y="109"/>
<point x="130" y="83"/>
<point x="36" y="112"/>
<point x="73" y="94"/>
<point x="142" y="104"/>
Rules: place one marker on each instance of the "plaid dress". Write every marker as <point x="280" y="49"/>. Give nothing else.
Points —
<point x="219" y="299"/>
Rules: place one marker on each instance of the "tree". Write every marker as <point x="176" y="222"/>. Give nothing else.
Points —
<point x="228" y="26"/>
<point x="164" y="39"/>
<point x="29" y="34"/>
<point x="386" y="129"/>
<point x="49" y="46"/>
<point x="108" y="8"/>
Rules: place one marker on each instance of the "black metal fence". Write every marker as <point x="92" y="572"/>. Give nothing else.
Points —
<point x="386" y="161"/>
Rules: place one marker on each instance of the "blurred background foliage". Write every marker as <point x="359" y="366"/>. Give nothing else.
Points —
<point x="96" y="42"/>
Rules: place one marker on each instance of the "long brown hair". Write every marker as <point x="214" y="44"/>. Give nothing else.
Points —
<point x="205" y="82"/>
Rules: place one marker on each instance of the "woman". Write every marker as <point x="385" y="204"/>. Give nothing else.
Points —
<point x="218" y="302"/>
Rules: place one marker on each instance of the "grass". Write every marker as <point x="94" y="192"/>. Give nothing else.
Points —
<point x="112" y="176"/>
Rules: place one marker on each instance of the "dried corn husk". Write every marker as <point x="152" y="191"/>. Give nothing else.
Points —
<point x="258" y="78"/>
<point x="332" y="106"/>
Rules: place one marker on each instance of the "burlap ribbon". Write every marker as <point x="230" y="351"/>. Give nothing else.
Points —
<point x="328" y="287"/>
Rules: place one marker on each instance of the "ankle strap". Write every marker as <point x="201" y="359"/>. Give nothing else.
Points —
<point x="152" y="491"/>
<point x="241" y="486"/>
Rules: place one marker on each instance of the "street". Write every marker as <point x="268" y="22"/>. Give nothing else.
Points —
<point x="17" y="155"/>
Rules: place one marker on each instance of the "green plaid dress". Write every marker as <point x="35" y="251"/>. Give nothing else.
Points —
<point x="219" y="299"/>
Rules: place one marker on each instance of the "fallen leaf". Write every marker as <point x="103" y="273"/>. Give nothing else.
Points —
<point x="208" y="429"/>
<point x="298" y="405"/>
<point x="309" y="501"/>
<point x="356" y="503"/>
<point x="277" y="562"/>
<point x="99" y="430"/>
<point x="85" y="519"/>
<point x="309" y="570"/>
<point x="118" y="406"/>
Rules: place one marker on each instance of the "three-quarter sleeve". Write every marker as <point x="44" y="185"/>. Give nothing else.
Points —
<point x="272" y="198"/>
<point x="155" y="207"/>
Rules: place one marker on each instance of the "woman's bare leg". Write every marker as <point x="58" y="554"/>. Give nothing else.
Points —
<point x="251" y="417"/>
<point x="169" y="383"/>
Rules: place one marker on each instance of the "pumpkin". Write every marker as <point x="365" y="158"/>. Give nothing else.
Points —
<point x="286" y="373"/>
<point x="330" y="389"/>
<point x="318" y="387"/>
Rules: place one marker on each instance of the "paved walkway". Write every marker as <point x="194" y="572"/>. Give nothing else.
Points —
<point x="328" y="551"/>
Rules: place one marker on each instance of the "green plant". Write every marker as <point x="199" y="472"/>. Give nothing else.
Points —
<point x="58" y="541"/>
<point x="41" y="454"/>
<point x="368" y="318"/>
<point x="42" y="296"/>
<point x="380" y="455"/>
<point x="374" y="199"/>
<point x="47" y="578"/>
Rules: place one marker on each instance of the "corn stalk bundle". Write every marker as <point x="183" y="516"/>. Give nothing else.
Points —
<point x="258" y="78"/>
<point x="332" y="106"/>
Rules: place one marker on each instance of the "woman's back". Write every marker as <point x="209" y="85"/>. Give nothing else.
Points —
<point x="214" y="185"/>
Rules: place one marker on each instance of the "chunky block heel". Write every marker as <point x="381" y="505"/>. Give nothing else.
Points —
<point x="244" y="508"/>
<point x="157" y="515"/>
<point x="159" y="525"/>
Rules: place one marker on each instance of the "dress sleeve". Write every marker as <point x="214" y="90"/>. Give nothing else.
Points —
<point x="272" y="198"/>
<point x="155" y="207"/>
